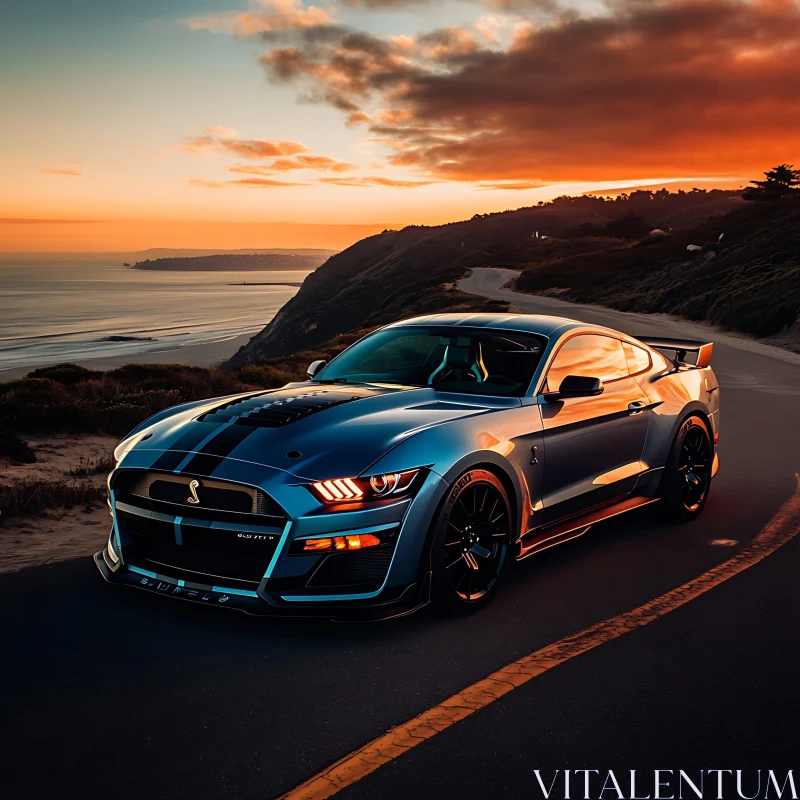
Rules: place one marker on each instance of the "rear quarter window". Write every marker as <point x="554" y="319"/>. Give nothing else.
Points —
<point x="638" y="359"/>
<point x="588" y="355"/>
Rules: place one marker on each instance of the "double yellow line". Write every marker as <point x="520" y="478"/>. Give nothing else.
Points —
<point x="360" y="763"/>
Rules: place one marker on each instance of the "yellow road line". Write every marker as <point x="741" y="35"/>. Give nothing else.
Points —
<point x="360" y="763"/>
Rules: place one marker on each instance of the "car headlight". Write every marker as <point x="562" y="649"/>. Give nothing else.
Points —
<point x="364" y="490"/>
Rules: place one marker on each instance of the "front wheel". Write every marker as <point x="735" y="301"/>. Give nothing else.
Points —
<point x="472" y="538"/>
<point x="687" y="474"/>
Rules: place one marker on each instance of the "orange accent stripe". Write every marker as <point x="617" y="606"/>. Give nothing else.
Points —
<point x="350" y="769"/>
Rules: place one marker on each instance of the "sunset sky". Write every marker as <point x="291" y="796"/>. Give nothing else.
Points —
<point x="205" y="123"/>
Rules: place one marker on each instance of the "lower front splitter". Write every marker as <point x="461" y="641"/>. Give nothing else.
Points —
<point x="414" y="597"/>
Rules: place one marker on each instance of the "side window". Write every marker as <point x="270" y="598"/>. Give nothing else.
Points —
<point x="590" y="356"/>
<point x="638" y="359"/>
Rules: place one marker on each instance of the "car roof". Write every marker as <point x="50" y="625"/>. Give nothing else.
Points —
<point x="527" y="323"/>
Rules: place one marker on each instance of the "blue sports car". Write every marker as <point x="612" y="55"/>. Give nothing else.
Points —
<point x="412" y="467"/>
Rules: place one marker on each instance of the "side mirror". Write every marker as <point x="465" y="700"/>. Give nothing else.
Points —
<point x="576" y="386"/>
<point x="315" y="367"/>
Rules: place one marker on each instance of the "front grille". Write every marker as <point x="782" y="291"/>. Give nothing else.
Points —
<point x="213" y="495"/>
<point x="229" y="540"/>
<point x="201" y="554"/>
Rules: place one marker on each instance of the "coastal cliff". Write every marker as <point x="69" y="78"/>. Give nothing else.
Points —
<point x="399" y="274"/>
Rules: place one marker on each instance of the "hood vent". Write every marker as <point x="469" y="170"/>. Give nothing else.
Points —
<point x="281" y="409"/>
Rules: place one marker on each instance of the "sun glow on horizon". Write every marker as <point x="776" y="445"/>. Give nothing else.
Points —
<point x="413" y="113"/>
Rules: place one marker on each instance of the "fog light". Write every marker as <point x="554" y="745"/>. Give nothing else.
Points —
<point x="352" y="542"/>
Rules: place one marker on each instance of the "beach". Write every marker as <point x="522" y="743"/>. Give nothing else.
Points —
<point x="209" y="354"/>
<point x="102" y="315"/>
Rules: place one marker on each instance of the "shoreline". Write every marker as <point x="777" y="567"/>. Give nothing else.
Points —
<point x="210" y="354"/>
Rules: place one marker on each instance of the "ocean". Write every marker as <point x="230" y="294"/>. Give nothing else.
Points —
<point x="67" y="308"/>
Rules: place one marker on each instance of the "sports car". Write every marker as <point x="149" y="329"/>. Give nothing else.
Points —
<point x="413" y="467"/>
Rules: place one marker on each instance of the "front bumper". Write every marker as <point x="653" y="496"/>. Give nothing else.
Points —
<point x="388" y="581"/>
<point x="391" y="604"/>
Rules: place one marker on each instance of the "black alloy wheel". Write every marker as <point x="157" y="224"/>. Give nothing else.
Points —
<point x="687" y="474"/>
<point x="473" y="537"/>
<point x="694" y="464"/>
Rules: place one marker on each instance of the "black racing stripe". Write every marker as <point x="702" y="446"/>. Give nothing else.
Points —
<point x="168" y="462"/>
<point x="214" y="453"/>
<point x="170" y="459"/>
<point x="203" y="466"/>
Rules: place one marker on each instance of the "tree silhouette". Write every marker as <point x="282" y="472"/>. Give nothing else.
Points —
<point x="780" y="181"/>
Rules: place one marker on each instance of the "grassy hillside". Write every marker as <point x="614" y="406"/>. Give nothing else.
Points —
<point x="748" y="282"/>
<point x="401" y="273"/>
<point x="71" y="398"/>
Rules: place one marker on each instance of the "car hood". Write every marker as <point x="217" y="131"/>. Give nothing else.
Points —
<point x="309" y="430"/>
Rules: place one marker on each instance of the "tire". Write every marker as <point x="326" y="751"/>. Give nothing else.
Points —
<point x="471" y="543"/>
<point x="686" y="482"/>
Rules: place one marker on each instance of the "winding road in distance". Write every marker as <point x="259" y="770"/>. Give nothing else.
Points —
<point x="108" y="692"/>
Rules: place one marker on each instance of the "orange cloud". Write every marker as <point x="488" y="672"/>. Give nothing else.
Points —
<point x="204" y="184"/>
<point x="358" y="118"/>
<point x="262" y="183"/>
<point x="59" y="171"/>
<point x="376" y="181"/>
<point x="221" y="131"/>
<point x="319" y="163"/>
<point x="264" y="16"/>
<point x="247" y="183"/>
<point x="245" y="148"/>
<point x="513" y="186"/>
<point x="673" y="88"/>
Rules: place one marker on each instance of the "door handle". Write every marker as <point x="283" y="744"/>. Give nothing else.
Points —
<point x="637" y="407"/>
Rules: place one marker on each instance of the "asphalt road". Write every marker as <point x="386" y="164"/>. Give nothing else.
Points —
<point x="110" y="692"/>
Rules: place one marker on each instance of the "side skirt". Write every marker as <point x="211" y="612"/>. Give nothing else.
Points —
<point x="540" y="539"/>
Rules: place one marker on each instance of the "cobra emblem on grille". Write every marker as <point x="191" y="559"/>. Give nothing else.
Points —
<point x="194" y="499"/>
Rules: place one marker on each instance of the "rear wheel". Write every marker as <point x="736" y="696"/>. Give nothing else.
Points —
<point x="471" y="542"/>
<point x="687" y="473"/>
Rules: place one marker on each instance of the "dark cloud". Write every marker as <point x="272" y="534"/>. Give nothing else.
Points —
<point x="666" y="88"/>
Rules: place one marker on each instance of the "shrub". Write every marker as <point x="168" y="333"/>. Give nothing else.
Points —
<point x="35" y="497"/>
<point x="92" y="466"/>
<point x="11" y="446"/>
<point x="70" y="398"/>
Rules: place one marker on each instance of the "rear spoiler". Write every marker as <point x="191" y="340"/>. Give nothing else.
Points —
<point x="681" y="347"/>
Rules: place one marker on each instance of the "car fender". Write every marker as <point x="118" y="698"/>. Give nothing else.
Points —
<point x="451" y="450"/>
<point x="664" y="426"/>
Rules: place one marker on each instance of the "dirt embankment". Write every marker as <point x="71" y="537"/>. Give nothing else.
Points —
<point x="59" y="533"/>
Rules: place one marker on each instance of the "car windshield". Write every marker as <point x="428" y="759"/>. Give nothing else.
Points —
<point x="474" y="361"/>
